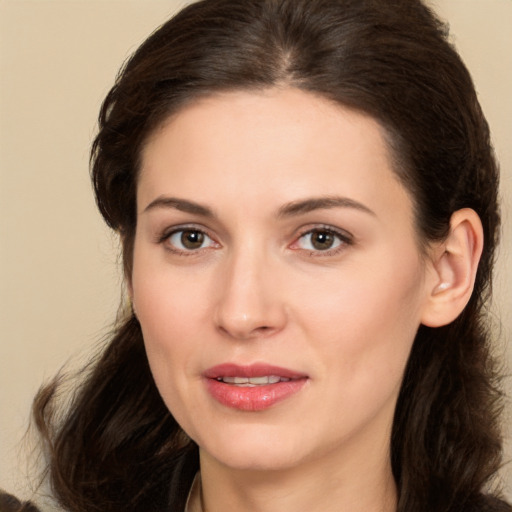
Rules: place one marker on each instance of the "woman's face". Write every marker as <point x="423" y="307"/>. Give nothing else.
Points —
<point x="276" y="277"/>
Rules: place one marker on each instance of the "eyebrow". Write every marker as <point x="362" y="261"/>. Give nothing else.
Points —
<point x="288" y="210"/>
<point x="179" y="204"/>
<point x="321" y="203"/>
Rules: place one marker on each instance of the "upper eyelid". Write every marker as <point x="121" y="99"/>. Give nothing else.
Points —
<point x="170" y="230"/>
<point x="164" y="239"/>
<point x="345" y="235"/>
<point x="211" y="227"/>
<point x="342" y="233"/>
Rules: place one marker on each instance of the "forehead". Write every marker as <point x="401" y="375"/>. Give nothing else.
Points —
<point x="279" y="143"/>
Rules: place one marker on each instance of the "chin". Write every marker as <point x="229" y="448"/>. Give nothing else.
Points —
<point x="258" y="452"/>
<point x="254" y="460"/>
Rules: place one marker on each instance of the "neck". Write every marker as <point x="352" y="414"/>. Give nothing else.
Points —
<point x="355" y="482"/>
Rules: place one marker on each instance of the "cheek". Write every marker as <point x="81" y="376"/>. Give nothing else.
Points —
<point x="366" y="348"/>
<point x="170" y="308"/>
<point x="163" y="309"/>
<point x="165" y="300"/>
<point x="368" y="319"/>
<point x="167" y="318"/>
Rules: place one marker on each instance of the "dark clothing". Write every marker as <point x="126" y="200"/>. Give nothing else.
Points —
<point x="183" y="475"/>
<point x="187" y="466"/>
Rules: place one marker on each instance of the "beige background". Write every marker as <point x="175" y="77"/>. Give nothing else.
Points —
<point x="59" y="278"/>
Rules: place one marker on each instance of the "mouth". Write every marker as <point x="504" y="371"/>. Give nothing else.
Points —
<point x="254" y="387"/>
<point x="252" y="372"/>
<point x="249" y="382"/>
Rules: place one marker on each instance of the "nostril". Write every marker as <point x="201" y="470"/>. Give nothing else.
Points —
<point x="242" y="333"/>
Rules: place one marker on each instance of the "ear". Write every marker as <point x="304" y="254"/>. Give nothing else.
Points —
<point x="454" y="263"/>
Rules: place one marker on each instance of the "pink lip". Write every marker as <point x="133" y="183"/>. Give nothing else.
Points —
<point x="255" y="398"/>
<point x="253" y="370"/>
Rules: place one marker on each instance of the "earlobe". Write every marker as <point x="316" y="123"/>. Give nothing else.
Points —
<point x="454" y="265"/>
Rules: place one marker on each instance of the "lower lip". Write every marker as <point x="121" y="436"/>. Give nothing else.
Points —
<point x="257" y="398"/>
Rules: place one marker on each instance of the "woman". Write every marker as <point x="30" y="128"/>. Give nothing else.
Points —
<point x="305" y="193"/>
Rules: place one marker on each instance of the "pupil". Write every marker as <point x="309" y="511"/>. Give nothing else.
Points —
<point x="322" y="240"/>
<point x="192" y="239"/>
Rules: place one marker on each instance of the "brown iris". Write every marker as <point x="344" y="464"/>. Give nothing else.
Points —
<point x="322" y="240"/>
<point x="192" y="239"/>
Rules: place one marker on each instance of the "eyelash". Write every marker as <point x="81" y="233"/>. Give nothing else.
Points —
<point x="344" y="238"/>
<point x="165" y="239"/>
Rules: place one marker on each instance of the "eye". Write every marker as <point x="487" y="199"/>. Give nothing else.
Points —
<point x="186" y="240"/>
<point x="322" y="240"/>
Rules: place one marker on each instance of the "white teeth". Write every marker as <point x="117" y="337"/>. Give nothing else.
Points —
<point x="259" y="380"/>
<point x="253" y="381"/>
<point x="235" y="380"/>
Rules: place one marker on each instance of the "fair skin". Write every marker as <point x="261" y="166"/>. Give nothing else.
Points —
<point x="272" y="230"/>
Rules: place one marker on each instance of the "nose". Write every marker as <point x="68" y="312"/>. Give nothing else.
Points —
<point x="249" y="303"/>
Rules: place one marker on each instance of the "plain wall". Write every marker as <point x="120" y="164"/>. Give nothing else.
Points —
<point x="59" y="275"/>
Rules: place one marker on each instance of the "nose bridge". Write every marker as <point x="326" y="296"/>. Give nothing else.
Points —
<point x="249" y="304"/>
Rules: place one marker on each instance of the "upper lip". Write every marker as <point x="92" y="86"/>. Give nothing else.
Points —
<point x="252" y="370"/>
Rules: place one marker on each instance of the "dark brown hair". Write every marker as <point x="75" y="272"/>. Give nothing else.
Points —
<point x="9" y="503"/>
<point x="117" y="446"/>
